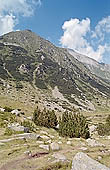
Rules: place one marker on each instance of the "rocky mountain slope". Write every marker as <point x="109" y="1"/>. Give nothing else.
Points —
<point x="102" y="70"/>
<point x="34" y="71"/>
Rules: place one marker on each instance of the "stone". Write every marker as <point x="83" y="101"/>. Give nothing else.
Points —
<point x="99" y="158"/>
<point x="108" y="137"/>
<point x="52" y="137"/>
<point x="39" y="142"/>
<point x="57" y="126"/>
<point x="94" y="143"/>
<point x="2" y="110"/>
<point x="46" y="147"/>
<point x="83" y="148"/>
<point x="92" y="128"/>
<point x="82" y="161"/>
<point x="45" y="137"/>
<point x="59" y="157"/>
<point x="54" y="146"/>
<point x="16" y="112"/>
<point x="49" y="141"/>
<point x="16" y="127"/>
<point x="68" y="142"/>
<point x="30" y="117"/>
<point x="32" y="136"/>
<point x="1" y="144"/>
<point x="59" y="142"/>
<point x="43" y="132"/>
<point x="27" y="153"/>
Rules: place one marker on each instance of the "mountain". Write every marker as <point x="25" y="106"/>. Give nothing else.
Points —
<point x="35" y="72"/>
<point x="102" y="70"/>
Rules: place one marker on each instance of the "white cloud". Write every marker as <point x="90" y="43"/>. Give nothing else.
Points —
<point x="79" y="36"/>
<point x="23" y="7"/>
<point x="101" y="28"/>
<point x="7" y="23"/>
<point x="10" y="10"/>
<point x="75" y="30"/>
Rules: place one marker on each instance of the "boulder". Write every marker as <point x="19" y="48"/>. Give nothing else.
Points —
<point x="83" y="162"/>
<point x="54" y="146"/>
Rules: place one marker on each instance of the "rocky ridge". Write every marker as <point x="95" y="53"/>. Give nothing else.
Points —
<point x="32" y="69"/>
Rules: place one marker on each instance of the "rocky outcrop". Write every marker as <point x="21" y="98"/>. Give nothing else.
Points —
<point x="83" y="162"/>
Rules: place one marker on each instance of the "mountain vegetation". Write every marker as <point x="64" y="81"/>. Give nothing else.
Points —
<point x="33" y="66"/>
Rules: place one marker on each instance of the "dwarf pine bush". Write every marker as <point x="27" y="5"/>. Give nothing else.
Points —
<point x="45" y="118"/>
<point x="73" y="125"/>
<point x="104" y="128"/>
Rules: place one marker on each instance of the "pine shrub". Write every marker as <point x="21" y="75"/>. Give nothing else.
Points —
<point x="104" y="128"/>
<point x="45" y="118"/>
<point x="73" y="125"/>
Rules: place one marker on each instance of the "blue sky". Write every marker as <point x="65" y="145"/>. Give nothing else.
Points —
<point x="83" y="25"/>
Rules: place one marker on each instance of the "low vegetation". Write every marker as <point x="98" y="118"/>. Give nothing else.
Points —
<point x="73" y="125"/>
<point x="45" y="118"/>
<point x="104" y="128"/>
<point x="70" y="124"/>
<point x="6" y="118"/>
<point x="29" y="125"/>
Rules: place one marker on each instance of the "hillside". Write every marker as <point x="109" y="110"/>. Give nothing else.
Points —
<point x="35" y="72"/>
<point x="102" y="70"/>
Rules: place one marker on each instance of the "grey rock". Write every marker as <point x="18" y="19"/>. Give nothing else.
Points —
<point x="2" y="110"/>
<point x="46" y="147"/>
<point x="16" y="112"/>
<point x="43" y="132"/>
<point x="92" y="128"/>
<point x="83" y="162"/>
<point x="94" y="143"/>
<point x="83" y="148"/>
<point x="45" y="137"/>
<point x="54" y="146"/>
<point x="59" y="157"/>
<point x="32" y="136"/>
<point x="68" y="142"/>
<point x="57" y="126"/>
<point x="60" y="142"/>
<point x="16" y="127"/>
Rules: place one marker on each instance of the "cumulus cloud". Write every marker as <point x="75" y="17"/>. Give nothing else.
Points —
<point x="10" y="10"/>
<point x="7" y="23"/>
<point x="79" y="36"/>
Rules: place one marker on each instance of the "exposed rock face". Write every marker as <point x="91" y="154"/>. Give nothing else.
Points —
<point x="83" y="162"/>
<point x="100" y="69"/>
